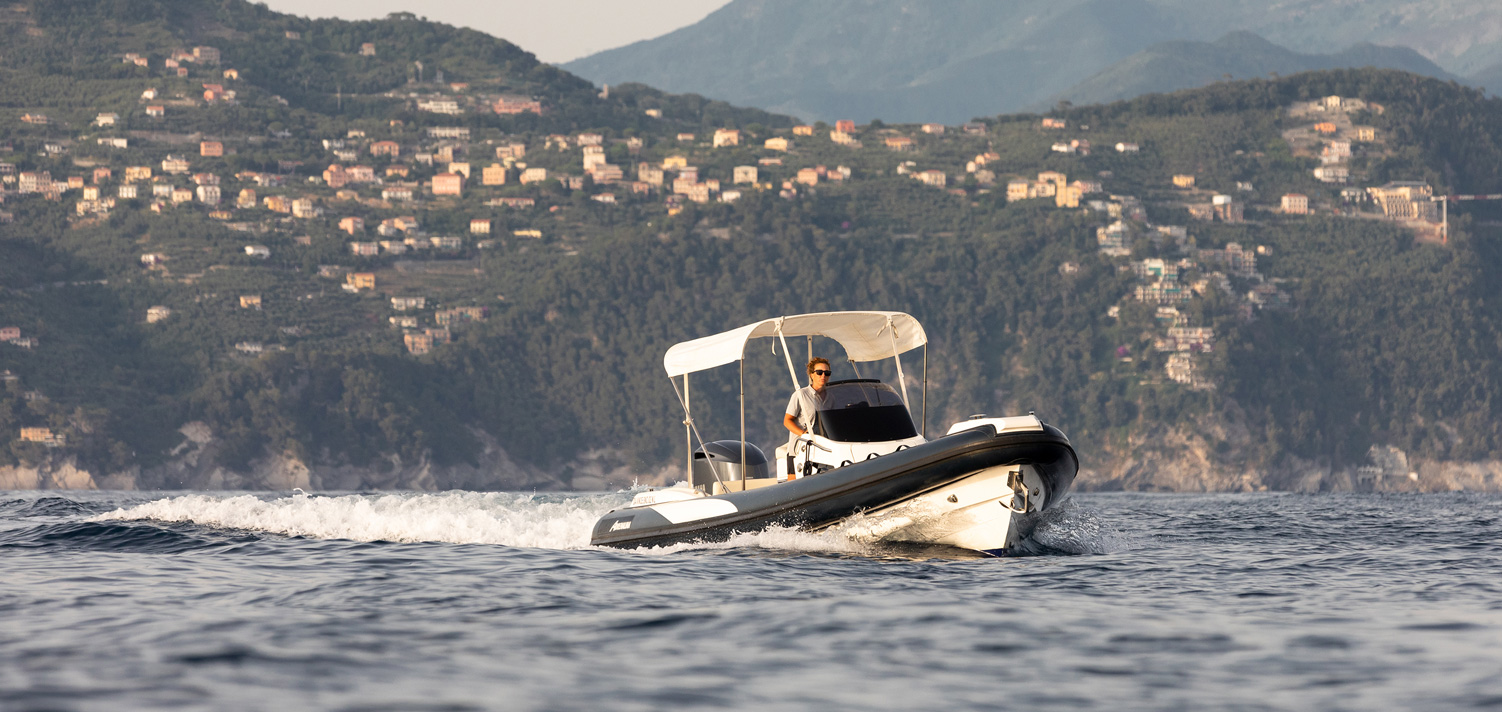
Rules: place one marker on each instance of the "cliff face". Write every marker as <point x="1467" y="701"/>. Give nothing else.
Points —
<point x="1181" y="460"/>
<point x="194" y="465"/>
<point x="1162" y="460"/>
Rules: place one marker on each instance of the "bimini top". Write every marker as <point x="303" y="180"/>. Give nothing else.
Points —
<point x="865" y="335"/>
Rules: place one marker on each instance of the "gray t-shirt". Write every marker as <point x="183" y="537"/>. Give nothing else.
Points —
<point x="803" y="405"/>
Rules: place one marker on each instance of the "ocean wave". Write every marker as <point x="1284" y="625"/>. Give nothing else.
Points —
<point x="43" y="507"/>
<point x="103" y="536"/>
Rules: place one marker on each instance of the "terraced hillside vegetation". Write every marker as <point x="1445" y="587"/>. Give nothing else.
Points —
<point x="244" y="249"/>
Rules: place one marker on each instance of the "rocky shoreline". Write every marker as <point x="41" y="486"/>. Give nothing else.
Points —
<point x="1170" y="460"/>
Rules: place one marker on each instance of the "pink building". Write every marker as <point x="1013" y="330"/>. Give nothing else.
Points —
<point x="448" y="184"/>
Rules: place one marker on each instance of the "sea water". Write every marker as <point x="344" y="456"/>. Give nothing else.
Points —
<point x="459" y="601"/>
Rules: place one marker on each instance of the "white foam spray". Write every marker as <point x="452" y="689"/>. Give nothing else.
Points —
<point x="509" y="519"/>
<point x="557" y="521"/>
<point x="544" y="521"/>
<point x="1073" y="528"/>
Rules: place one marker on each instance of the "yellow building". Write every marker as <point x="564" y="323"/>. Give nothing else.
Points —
<point x="418" y="343"/>
<point x="1067" y="196"/>
<point x="1183" y="180"/>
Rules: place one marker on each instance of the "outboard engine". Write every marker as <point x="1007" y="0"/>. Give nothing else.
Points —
<point x="726" y="458"/>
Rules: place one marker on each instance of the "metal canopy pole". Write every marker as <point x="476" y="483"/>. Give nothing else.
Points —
<point x="743" y="418"/>
<point x="897" y="356"/>
<point x="924" y="429"/>
<point x="787" y="355"/>
<point x="688" y="431"/>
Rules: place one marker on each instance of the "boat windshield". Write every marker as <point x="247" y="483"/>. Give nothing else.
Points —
<point x="863" y="411"/>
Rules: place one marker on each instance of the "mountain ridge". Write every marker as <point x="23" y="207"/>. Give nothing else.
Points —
<point x="949" y="62"/>
<point x="1170" y="66"/>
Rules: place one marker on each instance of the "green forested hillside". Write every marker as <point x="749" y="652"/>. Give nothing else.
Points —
<point x="1351" y="330"/>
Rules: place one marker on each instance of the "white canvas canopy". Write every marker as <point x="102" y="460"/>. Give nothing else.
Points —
<point x="865" y="336"/>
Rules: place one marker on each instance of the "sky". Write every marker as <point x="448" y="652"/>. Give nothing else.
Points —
<point x="555" y="30"/>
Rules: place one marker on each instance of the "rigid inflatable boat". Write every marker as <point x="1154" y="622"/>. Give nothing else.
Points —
<point x="864" y="466"/>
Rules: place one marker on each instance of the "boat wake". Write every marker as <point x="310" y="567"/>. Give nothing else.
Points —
<point x="544" y="521"/>
<point x="508" y="519"/>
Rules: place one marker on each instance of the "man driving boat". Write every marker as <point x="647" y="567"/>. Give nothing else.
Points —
<point x="804" y="404"/>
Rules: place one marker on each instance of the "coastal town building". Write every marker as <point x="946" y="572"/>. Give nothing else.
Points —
<point x="727" y="137"/>
<point x="448" y="184"/>
<point x="1332" y="174"/>
<point x="1405" y="200"/>
<point x="899" y="143"/>
<point x="510" y="105"/>
<point x="42" y="435"/>
<point x="360" y="281"/>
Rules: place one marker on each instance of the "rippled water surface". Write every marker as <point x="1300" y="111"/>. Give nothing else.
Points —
<point x="461" y="601"/>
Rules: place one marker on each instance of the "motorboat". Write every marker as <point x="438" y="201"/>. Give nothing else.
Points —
<point x="866" y="466"/>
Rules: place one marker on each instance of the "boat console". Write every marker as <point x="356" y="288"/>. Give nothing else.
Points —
<point x="860" y="419"/>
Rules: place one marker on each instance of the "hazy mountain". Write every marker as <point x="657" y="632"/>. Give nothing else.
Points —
<point x="862" y="59"/>
<point x="1169" y="66"/>
<point x="950" y="61"/>
<point x="1489" y="78"/>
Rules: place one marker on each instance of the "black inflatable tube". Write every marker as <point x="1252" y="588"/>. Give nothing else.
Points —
<point x="824" y="499"/>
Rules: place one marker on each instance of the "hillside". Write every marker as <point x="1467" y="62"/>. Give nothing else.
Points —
<point x="1170" y="66"/>
<point x="951" y="61"/>
<point x="229" y="284"/>
<point x="67" y="57"/>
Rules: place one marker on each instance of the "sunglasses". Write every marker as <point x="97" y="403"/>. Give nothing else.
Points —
<point x="821" y="372"/>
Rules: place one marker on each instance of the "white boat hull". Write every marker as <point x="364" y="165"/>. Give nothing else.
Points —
<point x="981" y="512"/>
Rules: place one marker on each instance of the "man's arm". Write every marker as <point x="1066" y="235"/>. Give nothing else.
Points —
<point x="791" y="423"/>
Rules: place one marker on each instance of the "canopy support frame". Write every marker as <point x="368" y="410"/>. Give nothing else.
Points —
<point x="693" y="432"/>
